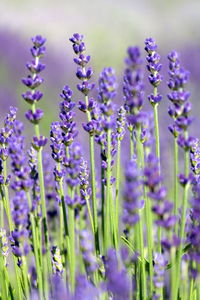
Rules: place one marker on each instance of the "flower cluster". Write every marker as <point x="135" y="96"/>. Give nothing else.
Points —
<point x="133" y="86"/>
<point x="161" y="207"/>
<point x="132" y="194"/>
<point x="154" y="67"/>
<point x="84" y="74"/>
<point x="57" y="261"/>
<point x="117" y="281"/>
<point x="85" y="189"/>
<point x="32" y="82"/>
<point x="179" y="98"/>
<point x="160" y="264"/>
<point x="3" y="244"/>
<point x="87" y="248"/>
<point x="120" y="123"/>
<point x="107" y="92"/>
<point x="19" y="235"/>
<point x="5" y="134"/>
<point x="18" y="159"/>
<point x="72" y="165"/>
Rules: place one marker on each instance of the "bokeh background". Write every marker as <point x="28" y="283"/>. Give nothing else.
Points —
<point x="109" y="27"/>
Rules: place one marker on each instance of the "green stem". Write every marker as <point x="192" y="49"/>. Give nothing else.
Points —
<point x="141" y="247"/>
<point x="108" y="188"/>
<point x="131" y="143"/>
<point x="6" y="195"/>
<point x="43" y="198"/>
<point x="173" y="271"/>
<point x="5" y="199"/>
<point x="156" y="125"/>
<point x="94" y="200"/>
<point x="191" y="289"/>
<point x="71" y="224"/>
<point x="149" y="228"/>
<point x="4" y="288"/>
<point x="61" y="192"/>
<point x="140" y="226"/>
<point x="44" y="211"/>
<point x="25" y="278"/>
<point x="117" y="192"/>
<point x="93" y="179"/>
<point x="1" y="213"/>
<point x="102" y="199"/>
<point x="176" y="189"/>
<point x="183" y="221"/>
<point x="10" y="288"/>
<point x="36" y="249"/>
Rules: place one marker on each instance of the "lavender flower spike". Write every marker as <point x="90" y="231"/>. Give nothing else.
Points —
<point x="132" y="193"/>
<point x="3" y="244"/>
<point x="33" y="80"/>
<point x="89" y="258"/>
<point x="57" y="261"/>
<point x="117" y="280"/>
<point x="160" y="264"/>
<point x="133" y="86"/>
<point x="154" y="67"/>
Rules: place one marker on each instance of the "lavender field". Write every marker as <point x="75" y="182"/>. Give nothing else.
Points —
<point x="99" y="151"/>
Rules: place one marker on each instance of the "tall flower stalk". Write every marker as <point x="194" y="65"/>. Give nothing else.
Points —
<point x="182" y="107"/>
<point x="84" y="74"/>
<point x="107" y="91"/>
<point x="21" y="185"/>
<point x="132" y="213"/>
<point x="72" y="164"/>
<point x="133" y="90"/>
<point x="121" y="122"/>
<point x="154" y="66"/>
<point x="34" y="115"/>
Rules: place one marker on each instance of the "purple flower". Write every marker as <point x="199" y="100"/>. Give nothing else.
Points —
<point x="83" y="73"/>
<point x="57" y="261"/>
<point x="38" y="143"/>
<point x="32" y="97"/>
<point x="120" y="123"/>
<point x="85" y="289"/>
<point x="20" y="216"/>
<point x="87" y="248"/>
<point x="118" y="283"/>
<point x="33" y="80"/>
<point x="160" y="264"/>
<point x="193" y="234"/>
<point x="132" y="194"/>
<point x="32" y="153"/>
<point x="178" y="77"/>
<point x="38" y="41"/>
<point x="85" y="189"/>
<point x="19" y="165"/>
<point x="57" y="146"/>
<point x="72" y="165"/>
<point x="32" y="83"/>
<point x="161" y="207"/>
<point x="154" y="67"/>
<point x="3" y="243"/>
<point x="34" y="117"/>
<point x="195" y="156"/>
<point x="67" y="123"/>
<point x="107" y="86"/>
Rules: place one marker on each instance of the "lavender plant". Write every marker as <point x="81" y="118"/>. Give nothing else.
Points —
<point x="79" y="226"/>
